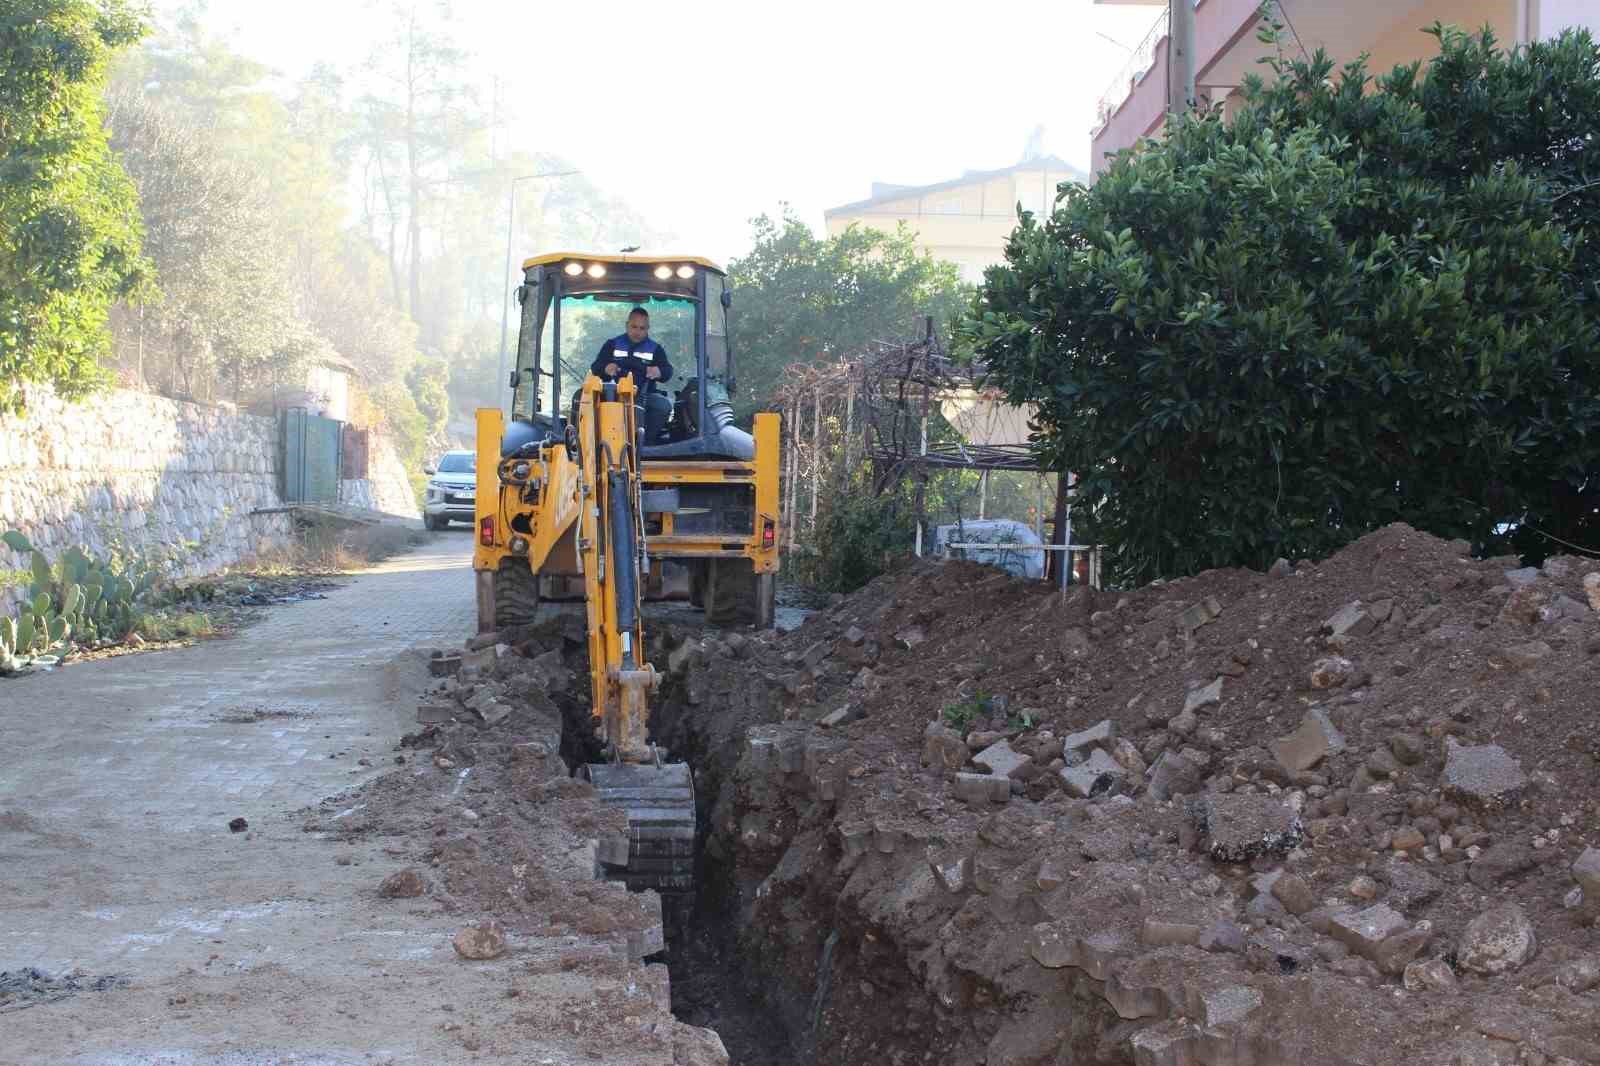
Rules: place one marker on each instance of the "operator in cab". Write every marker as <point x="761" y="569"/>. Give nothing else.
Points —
<point x="635" y="353"/>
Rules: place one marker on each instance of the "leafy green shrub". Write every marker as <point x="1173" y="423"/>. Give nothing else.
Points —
<point x="1351" y="305"/>
<point x="858" y="536"/>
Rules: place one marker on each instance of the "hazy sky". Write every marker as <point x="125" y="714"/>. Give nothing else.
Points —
<point x="705" y="114"/>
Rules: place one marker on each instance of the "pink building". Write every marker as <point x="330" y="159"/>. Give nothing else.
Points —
<point x="1226" y="49"/>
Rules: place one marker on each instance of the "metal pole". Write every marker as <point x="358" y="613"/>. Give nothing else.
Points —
<point x="983" y="493"/>
<point x="1180" y="57"/>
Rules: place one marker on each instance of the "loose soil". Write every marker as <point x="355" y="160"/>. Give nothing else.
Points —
<point x="866" y="904"/>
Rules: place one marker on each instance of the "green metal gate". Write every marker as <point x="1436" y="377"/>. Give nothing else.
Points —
<point x="310" y="455"/>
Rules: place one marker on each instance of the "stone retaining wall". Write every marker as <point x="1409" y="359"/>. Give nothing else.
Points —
<point x="387" y="487"/>
<point x="140" y="471"/>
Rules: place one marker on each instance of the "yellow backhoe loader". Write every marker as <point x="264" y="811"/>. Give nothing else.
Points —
<point x="612" y="494"/>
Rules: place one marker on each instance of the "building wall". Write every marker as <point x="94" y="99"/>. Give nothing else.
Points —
<point x="143" y="470"/>
<point x="387" y="486"/>
<point x="1553" y="16"/>
<point x="1226" y="48"/>
<point x="968" y="224"/>
<point x="1404" y="42"/>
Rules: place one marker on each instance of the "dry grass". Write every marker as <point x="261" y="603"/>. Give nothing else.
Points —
<point x="331" y="549"/>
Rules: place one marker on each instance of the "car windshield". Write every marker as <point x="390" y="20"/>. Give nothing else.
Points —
<point x="460" y="463"/>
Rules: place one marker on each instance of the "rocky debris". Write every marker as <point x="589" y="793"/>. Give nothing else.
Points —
<point x="1429" y="975"/>
<point x="1591" y="590"/>
<point x="486" y="940"/>
<point x="1350" y="620"/>
<point x="1586" y="871"/>
<point x="952" y="868"/>
<point x="1093" y="776"/>
<point x="980" y="789"/>
<point x="1497" y="941"/>
<point x="238" y="825"/>
<point x="1331" y="672"/>
<point x="1522" y="656"/>
<point x="943" y="748"/>
<point x="1228" y="1006"/>
<point x="1240" y="828"/>
<point x="444" y="664"/>
<point x="1101" y="735"/>
<point x="1485" y="776"/>
<point x="1500" y="863"/>
<point x="1579" y="975"/>
<point x="1315" y="740"/>
<point x="1002" y="760"/>
<point x="1296" y="896"/>
<point x="1280" y="569"/>
<point x="694" y="1046"/>
<point x="1185" y="866"/>
<point x="403" y="884"/>
<point x="1364" y="931"/>
<point x="1202" y="697"/>
<point x="839" y="716"/>
<point x="1522" y="577"/>
<point x="1202" y="613"/>
<point x="1174" y="775"/>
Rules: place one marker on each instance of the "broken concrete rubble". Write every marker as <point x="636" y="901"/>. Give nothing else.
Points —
<point x="1485" y="776"/>
<point x="1202" y="697"/>
<point x="1313" y="741"/>
<point x="1101" y="735"/>
<point x="1384" y="826"/>
<point x="1240" y="828"/>
<point x="1092" y="777"/>
<point x="1002" y="760"/>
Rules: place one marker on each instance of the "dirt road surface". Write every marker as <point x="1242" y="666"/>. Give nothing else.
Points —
<point x="264" y="946"/>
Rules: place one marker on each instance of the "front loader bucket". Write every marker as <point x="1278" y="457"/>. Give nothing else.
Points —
<point x="661" y="823"/>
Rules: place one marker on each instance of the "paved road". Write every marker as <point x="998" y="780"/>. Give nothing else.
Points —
<point x="117" y="782"/>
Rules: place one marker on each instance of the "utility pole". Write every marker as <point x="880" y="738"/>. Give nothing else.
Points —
<point x="505" y="306"/>
<point x="1180" y="57"/>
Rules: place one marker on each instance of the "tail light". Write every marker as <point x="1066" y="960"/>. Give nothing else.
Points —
<point x="769" y="534"/>
<point x="486" y="531"/>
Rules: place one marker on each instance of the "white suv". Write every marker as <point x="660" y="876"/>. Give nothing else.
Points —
<point x="450" y="490"/>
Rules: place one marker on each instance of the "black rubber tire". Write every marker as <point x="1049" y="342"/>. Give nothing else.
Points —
<point x="516" y="595"/>
<point x="427" y="522"/>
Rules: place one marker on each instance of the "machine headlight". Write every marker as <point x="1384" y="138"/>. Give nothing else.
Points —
<point x="596" y="270"/>
<point x="663" y="272"/>
<point x="686" y="271"/>
<point x="574" y="269"/>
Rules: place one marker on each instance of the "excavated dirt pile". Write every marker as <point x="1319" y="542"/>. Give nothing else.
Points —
<point x="557" y="966"/>
<point x="1342" y="812"/>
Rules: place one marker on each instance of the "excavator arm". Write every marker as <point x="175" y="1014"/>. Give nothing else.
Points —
<point x="611" y="553"/>
<point x="589" y="520"/>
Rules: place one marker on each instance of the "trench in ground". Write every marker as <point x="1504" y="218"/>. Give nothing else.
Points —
<point x="838" y="993"/>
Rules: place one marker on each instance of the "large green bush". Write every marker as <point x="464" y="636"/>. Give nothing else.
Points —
<point x="1353" y="304"/>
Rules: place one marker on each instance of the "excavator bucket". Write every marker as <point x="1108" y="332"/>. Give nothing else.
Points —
<point x="660" y="806"/>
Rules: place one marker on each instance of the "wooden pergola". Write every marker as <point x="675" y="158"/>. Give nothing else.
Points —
<point x="876" y="404"/>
